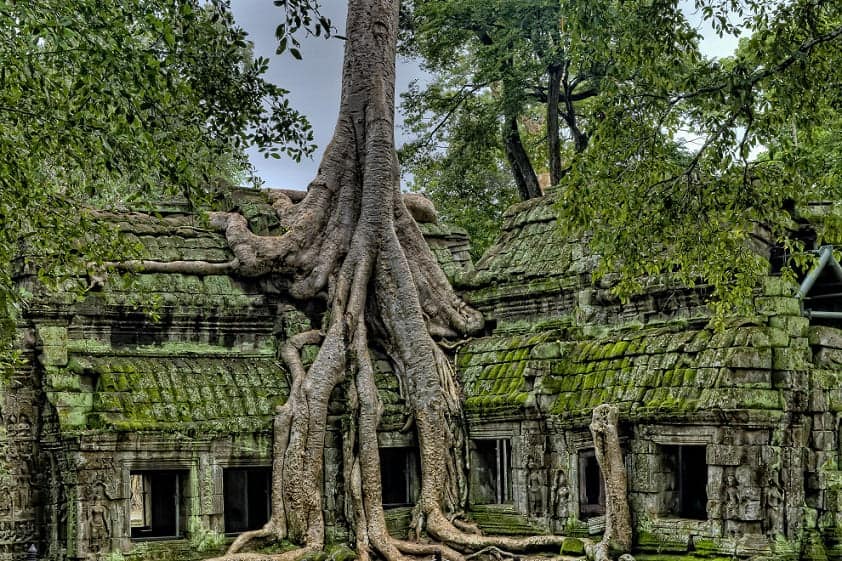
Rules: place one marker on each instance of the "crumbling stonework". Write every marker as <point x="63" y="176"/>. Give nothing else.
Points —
<point x="730" y="436"/>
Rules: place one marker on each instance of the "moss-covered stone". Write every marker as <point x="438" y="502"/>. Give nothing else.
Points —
<point x="572" y="546"/>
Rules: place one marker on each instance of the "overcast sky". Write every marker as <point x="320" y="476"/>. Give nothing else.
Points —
<point x="314" y="81"/>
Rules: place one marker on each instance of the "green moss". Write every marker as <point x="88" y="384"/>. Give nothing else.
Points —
<point x="572" y="546"/>
<point x="502" y="520"/>
<point x="340" y="552"/>
<point x="668" y="557"/>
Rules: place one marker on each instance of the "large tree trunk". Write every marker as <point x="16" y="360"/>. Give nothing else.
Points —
<point x="352" y="241"/>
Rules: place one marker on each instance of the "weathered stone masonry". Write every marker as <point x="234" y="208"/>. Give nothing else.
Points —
<point x="731" y="436"/>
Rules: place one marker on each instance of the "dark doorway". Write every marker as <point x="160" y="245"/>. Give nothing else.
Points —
<point x="156" y="510"/>
<point x="687" y="486"/>
<point x="399" y="476"/>
<point x="591" y="485"/>
<point x="491" y="471"/>
<point x="247" y="498"/>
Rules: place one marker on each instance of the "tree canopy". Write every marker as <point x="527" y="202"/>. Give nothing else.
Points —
<point x="116" y="103"/>
<point x="515" y="85"/>
<point x="681" y="163"/>
<point x="697" y="217"/>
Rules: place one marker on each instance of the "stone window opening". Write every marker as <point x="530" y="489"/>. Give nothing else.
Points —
<point x="399" y="476"/>
<point x="821" y="290"/>
<point x="156" y="509"/>
<point x="246" y="498"/>
<point x="686" y="477"/>
<point x="491" y="473"/>
<point x="591" y="485"/>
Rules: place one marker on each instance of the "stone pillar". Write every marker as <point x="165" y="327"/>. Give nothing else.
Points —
<point x="20" y="474"/>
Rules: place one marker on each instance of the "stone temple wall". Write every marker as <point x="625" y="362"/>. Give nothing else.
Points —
<point x="731" y="436"/>
<point x="161" y="379"/>
<point x="22" y="474"/>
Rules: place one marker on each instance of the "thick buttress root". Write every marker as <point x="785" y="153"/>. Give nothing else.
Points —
<point x="352" y="241"/>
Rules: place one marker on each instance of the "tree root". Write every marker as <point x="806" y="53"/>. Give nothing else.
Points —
<point x="467" y="527"/>
<point x="498" y="554"/>
<point x="352" y="237"/>
<point x="292" y="555"/>
<point x="443" y="530"/>
<point x="267" y="531"/>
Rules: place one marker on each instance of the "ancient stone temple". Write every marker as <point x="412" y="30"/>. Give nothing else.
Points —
<point x="140" y="426"/>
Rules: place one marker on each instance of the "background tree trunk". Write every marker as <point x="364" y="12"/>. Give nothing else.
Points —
<point x="553" y="140"/>
<point x="524" y="173"/>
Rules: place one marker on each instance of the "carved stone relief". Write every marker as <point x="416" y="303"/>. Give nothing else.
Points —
<point x="561" y="495"/>
<point x="98" y="520"/>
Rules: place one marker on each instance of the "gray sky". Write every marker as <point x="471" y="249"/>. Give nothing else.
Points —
<point x="314" y="85"/>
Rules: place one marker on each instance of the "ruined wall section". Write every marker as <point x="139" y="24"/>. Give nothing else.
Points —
<point x="159" y="374"/>
<point x="755" y="403"/>
<point x="23" y="477"/>
<point x="532" y="274"/>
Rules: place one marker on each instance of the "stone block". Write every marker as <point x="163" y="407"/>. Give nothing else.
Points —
<point x="792" y="325"/>
<point x="777" y="306"/>
<point x="824" y="421"/>
<point x="801" y="343"/>
<point x="834" y="400"/>
<point x="53" y="355"/>
<point x="714" y="509"/>
<point x="770" y="455"/>
<point x="825" y="379"/>
<point x="833" y="499"/>
<point x="787" y="380"/>
<point x="819" y="400"/>
<point x="753" y="437"/>
<point x="716" y="477"/>
<point x="712" y="358"/>
<point x="642" y="473"/>
<point x="828" y="358"/>
<point x="752" y="511"/>
<point x="778" y="286"/>
<point x="71" y="416"/>
<point x="52" y="335"/>
<point x="787" y="358"/>
<point x="825" y="336"/>
<point x="748" y="357"/>
<point x="698" y="343"/>
<point x="748" y="378"/>
<point x="824" y="459"/>
<point x="62" y="380"/>
<point x="723" y="455"/>
<point x="777" y="337"/>
<point x="217" y="504"/>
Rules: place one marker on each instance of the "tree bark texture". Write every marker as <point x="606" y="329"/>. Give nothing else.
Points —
<point x="352" y="241"/>
<point x="618" y="531"/>
<point x="524" y="174"/>
<point x="553" y="141"/>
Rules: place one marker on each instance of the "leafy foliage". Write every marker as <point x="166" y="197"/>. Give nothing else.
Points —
<point x="494" y="65"/>
<point x="117" y="103"/>
<point x="698" y="217"/>
<point x="673" y="182"/>
<point x="298" y="15"/>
